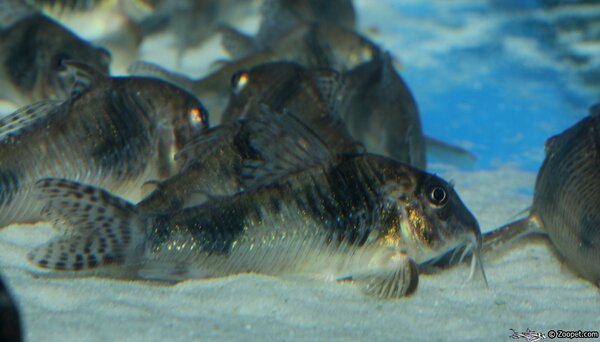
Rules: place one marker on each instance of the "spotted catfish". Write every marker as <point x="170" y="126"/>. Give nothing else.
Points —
<point x="113" y="132"/>
<point x="33" y="48"/>
<point x="357" y="218"/>
<point x="565" y="203"/>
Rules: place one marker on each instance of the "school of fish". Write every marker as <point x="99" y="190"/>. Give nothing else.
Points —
<point x="303" y="154"/>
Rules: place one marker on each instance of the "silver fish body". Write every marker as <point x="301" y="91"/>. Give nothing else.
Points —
<point x="364" y="219"/>
<point x="32" y="52"/>
<point x="118" y="133"/>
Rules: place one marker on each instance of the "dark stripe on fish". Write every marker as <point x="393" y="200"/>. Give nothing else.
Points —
<point x="125" y="139"/>
<point x="9" y="185"/>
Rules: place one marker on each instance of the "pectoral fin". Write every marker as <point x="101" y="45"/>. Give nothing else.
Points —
<point x="398" y="279"/>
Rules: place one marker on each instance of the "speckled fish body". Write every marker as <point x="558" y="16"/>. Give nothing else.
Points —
<point x="380" y="111"/>
<point x="118" y="133"/>
<point x="33" y="48"/>
<point x="365" y="219"/>
<point x="565" y="202"/>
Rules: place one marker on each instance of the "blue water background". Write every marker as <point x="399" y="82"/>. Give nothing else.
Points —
<point x="485" y="96"/>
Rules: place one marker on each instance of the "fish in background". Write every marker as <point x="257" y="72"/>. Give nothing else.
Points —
<point x="357" y="218"/>
<point x="215" y="163"/>
<point x="380" y="111"/>
<point x="311" y="94"/>
<point x="566" y="199"/>
<point x="10" y="323"/>
<point x="265" y="98"/>
<point x="338" y="12"/>
<point x="112" y="132"/>
<point x="311" y="45"/>
<point x="280" y="17"/>
<point x="270" y="97"/>
<point x="32" y="50"/>
<point x="193" y="21"/>
<point x="108" y="23"/>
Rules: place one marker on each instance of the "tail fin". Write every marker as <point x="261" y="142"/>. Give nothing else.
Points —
<point x="105" y="229"/>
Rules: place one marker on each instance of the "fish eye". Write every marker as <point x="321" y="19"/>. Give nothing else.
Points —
<point x="198" y="118"/>
<point x="239" y="80"/>
<point x="438" y="196"/>
<point x="58" y="59"/>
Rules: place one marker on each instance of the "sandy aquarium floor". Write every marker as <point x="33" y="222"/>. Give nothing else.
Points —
<point x="529" y="287"/>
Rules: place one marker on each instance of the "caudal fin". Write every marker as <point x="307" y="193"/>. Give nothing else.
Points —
<point x="101" y="228"/>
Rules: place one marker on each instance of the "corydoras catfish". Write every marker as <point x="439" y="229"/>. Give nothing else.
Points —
<point x="311" y="45"/>
<point x="193" y="21"/>
<point x="311" y="94"/>
<point x="280" y="17"/>
<point x="32" y="50"/>
<point x="112" y="132"/>
<point x="357" y="218"/>
<point x="266" y="103"/>
<point x="216" y="162"/>
<point x="566" y="199"/>
<point x="380" y="111"/>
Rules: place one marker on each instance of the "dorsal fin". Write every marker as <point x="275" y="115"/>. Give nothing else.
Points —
<point x="237" y="44"/>
<point x="26" y="119"/>
<point x="331" y="85"/>
<point x="13" y="11"/>
<point x="85" y="76"/>
<point x="286" y="145"/>
<point x="205" y="144"/>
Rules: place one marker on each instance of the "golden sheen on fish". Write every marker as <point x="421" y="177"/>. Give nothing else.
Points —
<point x="33" y="48"/>
<point x="116" y="133"/>
<point x="381" y="112"/>
<point x="215" y="163"/>
<point x="363" y="219"/>
<point x="566" y="199"/>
